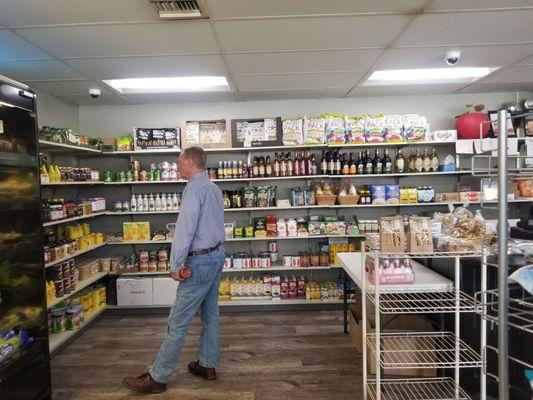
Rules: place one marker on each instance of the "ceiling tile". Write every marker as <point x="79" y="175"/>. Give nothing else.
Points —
<point x="527" y="61"/>
<point x="462" y="5"/>
<point x="471" y="56"/>
<point x="328" y="33"/>
<point x="298" y="81"/>
<point x="518" y="73"/>
<point x="135" y="67"/>
<point x="104" y="100"/>
<point x="13" y="47"/>
<point x="169" y="37"/>
<point x="50" y="12"/>
<point x="452" y="29"/>
<point x="181" y="97"/>
<point x="404" y="90"/>
<point x="497" y="87"/>
<point x="293" y="94"/>
<point x="260" y="8"/>
<point x="301" y="61"/>
<point x="38" y="70"/>
<point x="69" y="87"/>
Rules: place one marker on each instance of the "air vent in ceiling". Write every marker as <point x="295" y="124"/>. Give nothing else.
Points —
<point x="179" y="9"/>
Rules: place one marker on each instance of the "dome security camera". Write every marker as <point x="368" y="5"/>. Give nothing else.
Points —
<point x="95" y="93"/>
<point x="452" y="57"/>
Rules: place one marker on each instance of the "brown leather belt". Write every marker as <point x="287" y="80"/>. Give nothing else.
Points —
<point x="203" y="251"/>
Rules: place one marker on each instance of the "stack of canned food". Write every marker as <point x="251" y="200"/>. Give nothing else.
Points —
<point x="164" y="171"/>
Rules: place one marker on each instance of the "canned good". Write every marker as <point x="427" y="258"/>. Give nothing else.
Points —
<point x="237" y="262"/>
<point x="165" y="166"/>
<point x="227" y="261"/>
<point x="143" y="266"/>
<point x="162" y="265"/>
<point x="125" y="206"/>
<point x="144" y="256"/>
<point x="121" y="176"/>
<point x="136" y="165"/>
<point x="65" y="268"/>
<point x="152" y="265"/>
<point x="256" y="262"/>
<point x="157" y="175"/>
<point x="129" y="176"/>
<point x="57" y="272"/>
<point x="273" y="246"/>
<point x="296" y="262"/>
<point x="59" y="288"/>
<point x="274" y="257"/>
<point x="58" y="321"/>
<point x="247" y="262"/>
<point x="73" y="282"/>
<point x="143" y="175"/>
<point x="265" y="262"/>
<point x="162" y="255"/>
<point x="287" y="261"/>
<point x="117" y="206"/>
<point x="108" y="176"/>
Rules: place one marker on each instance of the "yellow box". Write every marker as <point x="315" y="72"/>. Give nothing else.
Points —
<point x="136" y="231"/>
<point x="99" y="238"/>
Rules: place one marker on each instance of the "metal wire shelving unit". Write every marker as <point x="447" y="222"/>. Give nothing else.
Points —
<point x="506" y="306"/>
<point x="420" y="350"/>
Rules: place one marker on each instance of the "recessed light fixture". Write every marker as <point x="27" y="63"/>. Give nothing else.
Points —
<point x="170" y="84"/>
<point x="427" y="76"/>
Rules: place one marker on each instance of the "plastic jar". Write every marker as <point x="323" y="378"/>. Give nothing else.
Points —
<point x="58" y="321"/>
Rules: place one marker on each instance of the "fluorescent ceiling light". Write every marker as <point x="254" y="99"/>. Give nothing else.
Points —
<point x="427" y="75"/>
<point x="170" y="85"/>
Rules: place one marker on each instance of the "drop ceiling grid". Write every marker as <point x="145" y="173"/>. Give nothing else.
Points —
<point x="316" y="49"/>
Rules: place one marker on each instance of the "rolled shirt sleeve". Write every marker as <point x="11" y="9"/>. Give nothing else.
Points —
<point x="186" y="227"/>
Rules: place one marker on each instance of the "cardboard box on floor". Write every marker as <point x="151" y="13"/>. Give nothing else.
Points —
<point x="392" y="323"/>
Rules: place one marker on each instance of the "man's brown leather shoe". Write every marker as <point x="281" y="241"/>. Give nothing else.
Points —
<point x="144" y="384"/>
<point x="209" y="374"/>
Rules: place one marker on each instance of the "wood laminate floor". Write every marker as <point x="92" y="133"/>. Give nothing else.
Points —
<point x="296" y="355"/>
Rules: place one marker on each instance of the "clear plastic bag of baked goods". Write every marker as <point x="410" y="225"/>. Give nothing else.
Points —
<point x="354" y="130"/>
<point x="293" y="131"/>
<point x="450" y="244"/>
<point x="314" y="130"/>
<point x="335" y="129"/>
<point x="374" y="128"/>
<point x="393" y="129"/>
<point x="415" y="127"/>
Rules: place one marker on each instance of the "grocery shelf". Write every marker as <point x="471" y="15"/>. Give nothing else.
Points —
<point x="54" y="147"/>
<point x="140" y="212"/>
<point x="79" y="287"/>
<point x="82" y="183"/>
<point x="423" y="350"/>
<point x="417" y="389"/>
<point x="76" y="254"/>
<point x="64" y="221"/>
<point x="423" y="302"/>
<point x="56" y="340"/>
<point x="246" y="239"/>
<point x="278" y="148"/>
<point x="438" y="173"/>
<point x="146" y="182"/>
<point x="245" y="303"/>
<point x="233" y="270"/>
<point x="520" y="307"/>
<point x="272" y="178"/>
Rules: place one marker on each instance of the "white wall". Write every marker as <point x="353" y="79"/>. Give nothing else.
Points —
<point x="440" y="110"/>
<point x="56" y="112"/>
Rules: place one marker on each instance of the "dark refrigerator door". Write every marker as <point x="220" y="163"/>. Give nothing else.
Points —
<point x="25" y="372"/>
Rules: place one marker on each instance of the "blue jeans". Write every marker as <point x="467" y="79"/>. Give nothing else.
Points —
<point x="200" y="291"/>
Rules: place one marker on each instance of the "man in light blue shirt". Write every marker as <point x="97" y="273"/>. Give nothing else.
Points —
<point x="198" y="246"/>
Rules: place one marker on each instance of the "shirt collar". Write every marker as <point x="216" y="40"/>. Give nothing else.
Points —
<point x="198" y="176"/>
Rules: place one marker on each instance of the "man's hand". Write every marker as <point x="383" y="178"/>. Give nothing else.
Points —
<point x="176" y="276"/>
<point x="182" y="274"/>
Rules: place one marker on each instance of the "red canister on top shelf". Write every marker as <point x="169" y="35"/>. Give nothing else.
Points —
<point x="468" y="125"/>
